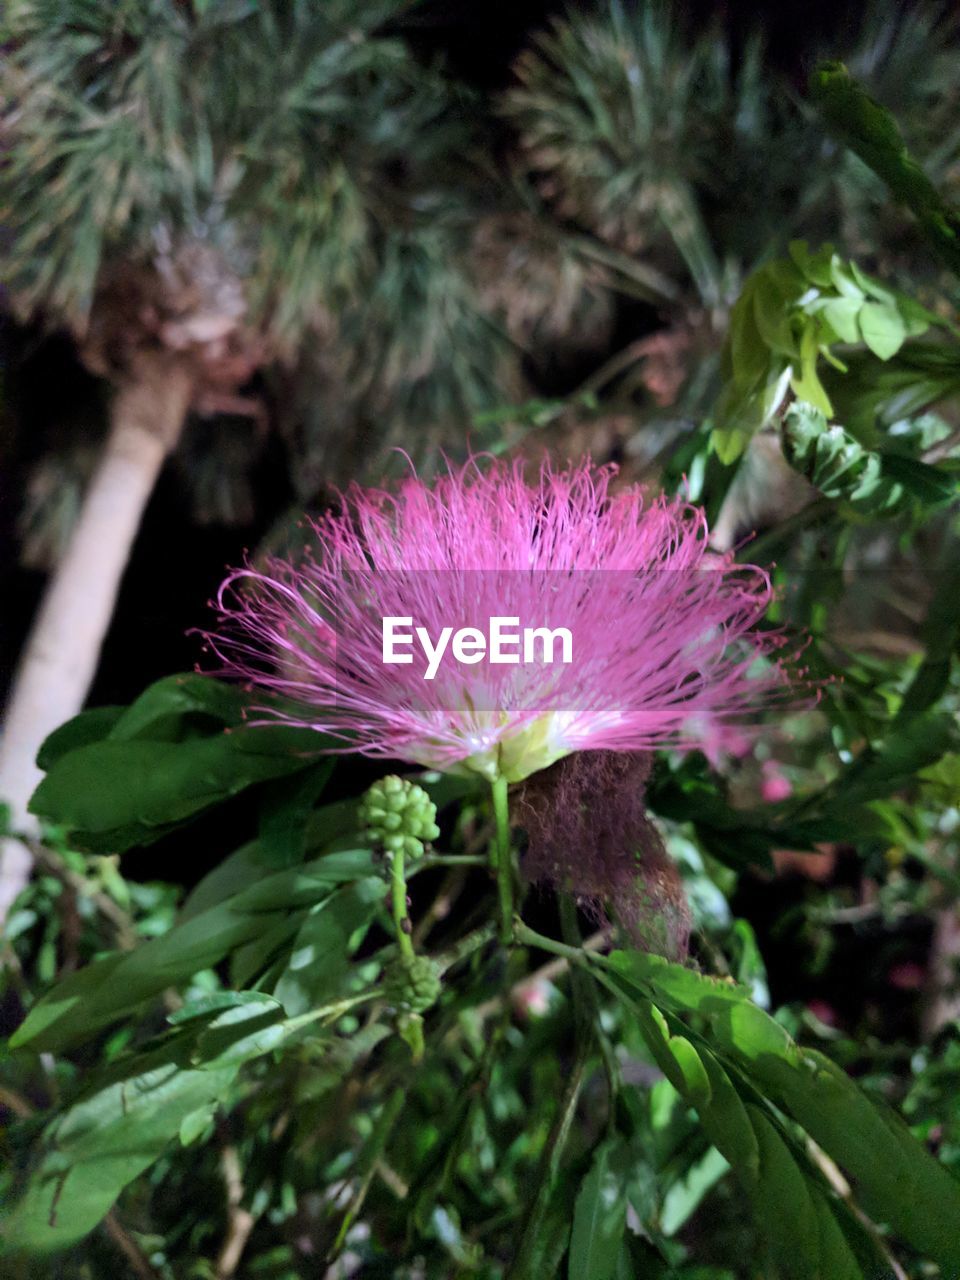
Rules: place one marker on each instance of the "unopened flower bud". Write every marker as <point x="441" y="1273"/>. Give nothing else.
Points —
<point x="399" y="815"/>
<point x="412" y="986"/>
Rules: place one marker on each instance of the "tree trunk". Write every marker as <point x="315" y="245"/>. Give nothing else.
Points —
<point x="62" y="651"/>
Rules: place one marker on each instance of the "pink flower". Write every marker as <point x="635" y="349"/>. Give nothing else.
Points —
<point x="663" y="646"/>
<point x="775" y="786"/>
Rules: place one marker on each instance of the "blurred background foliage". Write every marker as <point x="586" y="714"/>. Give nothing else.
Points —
<point x="577" y="233"/>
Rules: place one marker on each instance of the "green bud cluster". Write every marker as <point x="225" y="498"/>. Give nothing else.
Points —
<point x="399" y="815"/>
<point x="412" y="986"/>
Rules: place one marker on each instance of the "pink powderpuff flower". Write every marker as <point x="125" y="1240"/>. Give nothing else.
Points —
<point x="664" y="645"/>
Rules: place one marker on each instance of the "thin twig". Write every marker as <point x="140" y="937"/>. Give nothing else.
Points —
<point x="813" y="511"/>
<point x="138" y="1260"/>
<point x="439" y="909"/>
<point x="840" y="1185"/>
<point x="240" y="1222"/>
<point x="546" y="973"/>
<point x="389" y="1176"/>
<point x="14" y="1102"/>
<point x="126" y="934"/>
<point x="943" y="448"/>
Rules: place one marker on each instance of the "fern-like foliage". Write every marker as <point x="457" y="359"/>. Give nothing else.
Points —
<point x="239" y="182"/>
<point x="616" y="113"/>
<point x="290" y="136"/>
<point x="642" y="129"/>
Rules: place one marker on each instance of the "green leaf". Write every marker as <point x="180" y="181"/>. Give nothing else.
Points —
<point x="786" y="318"/>
<point x="702" y="1082"/>
<point x="841" y="467"/>
<point x="195" y="1125"/>
<point x="170" y="708"/>
<point x="236" y="1035"/>
<point x="107" y="1139"/>
<point x="814" y="267"/>
<point x="835" y="463"/>
<point x="908" y="748"/>
<point x="930" y="485"/>
<point x="872" y="288"/>
<point x="118" y="985"/>
<point x="241" y="869"/>
<point x="882" y="328"/>
<point x="726" y="1121"/>
<point x="841" y="314"/>
<point x="772" y="299"/>
<point x="805" y="381"/>
<point x="320" y="959"/>
<point x="60" y="1016"/>
<point x="118" y="793"/>
<point x="747" y="1138"/>
<point x="675" y="1056"/>
<point x="871" y="132"/>
<point x="89" y="726"/>
<point x="99" y="1145"/>
<point x="600" y="1215"/>
<point x="285" y="813"/>
<point x="803" y="1235"/>
<point x="898" y="1182"/>
<point x="728" y="443"/>
<point x="748" y="354"/>
<point x="214" y="1003"/>
<point x="685" y="1195"/>
<point x="942" y="780"/>
<point x="872" y="395"/>
<point x="842" y="279"/>
<point x="941" y="634"/>
<point x="305" y="886"/>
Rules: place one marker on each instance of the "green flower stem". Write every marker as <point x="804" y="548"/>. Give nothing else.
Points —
<point x="465" y="947"/>
<point x="577" y="955"/>
<point x="330" y="1012"/>
<point x="503" y="859"/>
<point x="401" y="917"/>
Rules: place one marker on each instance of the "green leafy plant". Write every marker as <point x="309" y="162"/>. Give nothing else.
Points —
<point x="361" y="1045"/>
<point x="791" y="315"/>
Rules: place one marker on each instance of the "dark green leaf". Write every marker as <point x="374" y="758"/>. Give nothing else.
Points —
<point x="285" y="811"/>
<point x="118" y="792"/>
<point x="941" y="634"/>
<point x="89" y="726"/>
<point x="118" y="985"/>
<point x="600" y="1215"/>
<point x="837" y="464"/>
<point x="897" y="1180"/>
<point x="870" y="131"/>
<point x="165" y="710"/>
<point x="803" y="1235"/>
<point x="320" y="959"/>
<point x="238" y="1034"/>
<point x="102" y="1143"/>
<point x="307" y="885"/>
